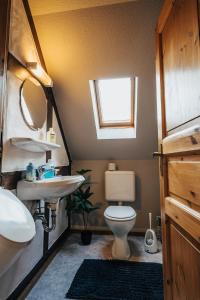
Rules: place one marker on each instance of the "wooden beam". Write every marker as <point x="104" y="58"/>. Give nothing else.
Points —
<point x="51" y="98"/>
<point x="161" y="117"/>
<point x="34" y="32"/>
<point x="166" y="9"/>
<point x="4" y="39"/>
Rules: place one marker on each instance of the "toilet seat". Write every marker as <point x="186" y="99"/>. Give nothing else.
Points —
<point x="16" y="222"/>
<point x="119" y="213"/>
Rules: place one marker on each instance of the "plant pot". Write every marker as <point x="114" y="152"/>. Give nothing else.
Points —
<point x="86" y="237"/>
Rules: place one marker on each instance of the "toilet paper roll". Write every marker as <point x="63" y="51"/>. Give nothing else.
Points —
<point x="112" y="167"/>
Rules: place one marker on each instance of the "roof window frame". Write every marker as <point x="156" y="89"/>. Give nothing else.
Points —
<point x="119" y="124"/>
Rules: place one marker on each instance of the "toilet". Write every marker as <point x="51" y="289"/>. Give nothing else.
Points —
<point x="17" y="228"/>
<point x="120" y="187"/>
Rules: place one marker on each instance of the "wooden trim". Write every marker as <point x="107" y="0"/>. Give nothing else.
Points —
<point x="4" y="40"/>
<point x="187" y="140"/>
<point x="198" y="13"/>
<point x="51" y="98"/>
<point x="17" y="68"/>
<point x="184" y="216"/>
<point x="9" y="179"/>
<point x="133" y="101"/>
<point x="5" y="6"/>
<point x="184" y="178"/>
<point x="186" y="235"/>
<point x="34" y="32"/>
<point x="185" y="202"/>
<point x="160" y="92"/>
<point x="166" y="10"/>
<point x="161" y="120"/>
<point x="184" y="158"/>
<point x="99" y="110"/>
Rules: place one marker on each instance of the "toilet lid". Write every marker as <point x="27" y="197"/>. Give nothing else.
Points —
<point x="120" y="212"/>
<point x="16" y="222"/>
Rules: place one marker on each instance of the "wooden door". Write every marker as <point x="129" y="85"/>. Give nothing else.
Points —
<point x="178" y="102"/>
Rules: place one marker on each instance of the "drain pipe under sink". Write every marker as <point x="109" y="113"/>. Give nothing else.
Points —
<point x="40" y="216"/>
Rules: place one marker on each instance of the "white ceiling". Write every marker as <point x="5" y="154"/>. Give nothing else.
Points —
<point x="44" y="7"/>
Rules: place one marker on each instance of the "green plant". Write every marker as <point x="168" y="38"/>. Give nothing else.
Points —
<point x="79" y="201"/>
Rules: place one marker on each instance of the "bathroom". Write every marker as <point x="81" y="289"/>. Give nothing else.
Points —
<point x="98" y="199"/>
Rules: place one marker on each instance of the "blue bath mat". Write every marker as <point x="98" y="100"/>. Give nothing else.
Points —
<point x="117" y="280"/>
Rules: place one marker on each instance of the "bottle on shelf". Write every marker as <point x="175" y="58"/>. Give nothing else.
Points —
<point x="51" y="136"/>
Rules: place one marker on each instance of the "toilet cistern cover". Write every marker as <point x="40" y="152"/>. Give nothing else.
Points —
<point x="120" y="212"/>
<point x="16" y="222"/>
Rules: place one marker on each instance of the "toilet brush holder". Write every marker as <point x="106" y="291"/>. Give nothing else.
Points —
<point x="150" y="240"/>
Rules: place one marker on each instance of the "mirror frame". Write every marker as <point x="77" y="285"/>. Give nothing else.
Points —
<point x="20" y="103"/>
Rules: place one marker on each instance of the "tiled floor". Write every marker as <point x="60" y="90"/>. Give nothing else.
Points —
<point x="55" y="281"/>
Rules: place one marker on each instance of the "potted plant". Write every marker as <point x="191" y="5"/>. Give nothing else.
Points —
<point x="80" y="203"/>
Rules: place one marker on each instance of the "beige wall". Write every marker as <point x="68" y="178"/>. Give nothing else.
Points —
<point x="147" y="198"/>
<point x="110" y="41"/>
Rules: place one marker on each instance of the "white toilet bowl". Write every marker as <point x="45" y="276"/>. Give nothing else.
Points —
<point x="17" y="228"/>
<point x="120" y="220"/>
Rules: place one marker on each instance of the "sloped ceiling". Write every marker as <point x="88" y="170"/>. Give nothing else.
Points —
<point x="44" y="7"/>
<point x="106" y="41"/>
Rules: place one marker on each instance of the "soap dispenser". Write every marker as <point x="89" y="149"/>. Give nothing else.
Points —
<point x="30" y="172"/>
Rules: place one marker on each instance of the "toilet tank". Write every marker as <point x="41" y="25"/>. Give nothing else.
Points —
<point x="120" y="186"/>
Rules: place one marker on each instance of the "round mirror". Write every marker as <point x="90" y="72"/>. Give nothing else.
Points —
<point x="33" y="103"/>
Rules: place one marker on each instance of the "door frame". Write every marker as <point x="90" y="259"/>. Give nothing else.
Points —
<point x="162" y="132"/>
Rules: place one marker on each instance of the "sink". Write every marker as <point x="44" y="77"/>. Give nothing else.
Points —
<point x="50" y="190"/>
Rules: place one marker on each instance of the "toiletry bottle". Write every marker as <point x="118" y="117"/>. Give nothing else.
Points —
<point x="52" y="166"/>
<point x="30" y="172"/>
<point x="50" y="169"/>
<point x="51" y="136"/>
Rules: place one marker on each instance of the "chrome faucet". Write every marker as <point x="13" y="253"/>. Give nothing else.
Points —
<point x="45" y="171"/>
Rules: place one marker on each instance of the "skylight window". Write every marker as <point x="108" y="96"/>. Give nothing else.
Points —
<point x="114" y="102"/>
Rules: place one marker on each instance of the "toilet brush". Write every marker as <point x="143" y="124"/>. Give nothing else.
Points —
<point x="150" y="239"/>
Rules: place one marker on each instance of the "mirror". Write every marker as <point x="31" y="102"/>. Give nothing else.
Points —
<point x="33" y="103"/>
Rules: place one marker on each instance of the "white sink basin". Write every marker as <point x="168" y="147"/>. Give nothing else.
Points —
<point x="48" y="189"/>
